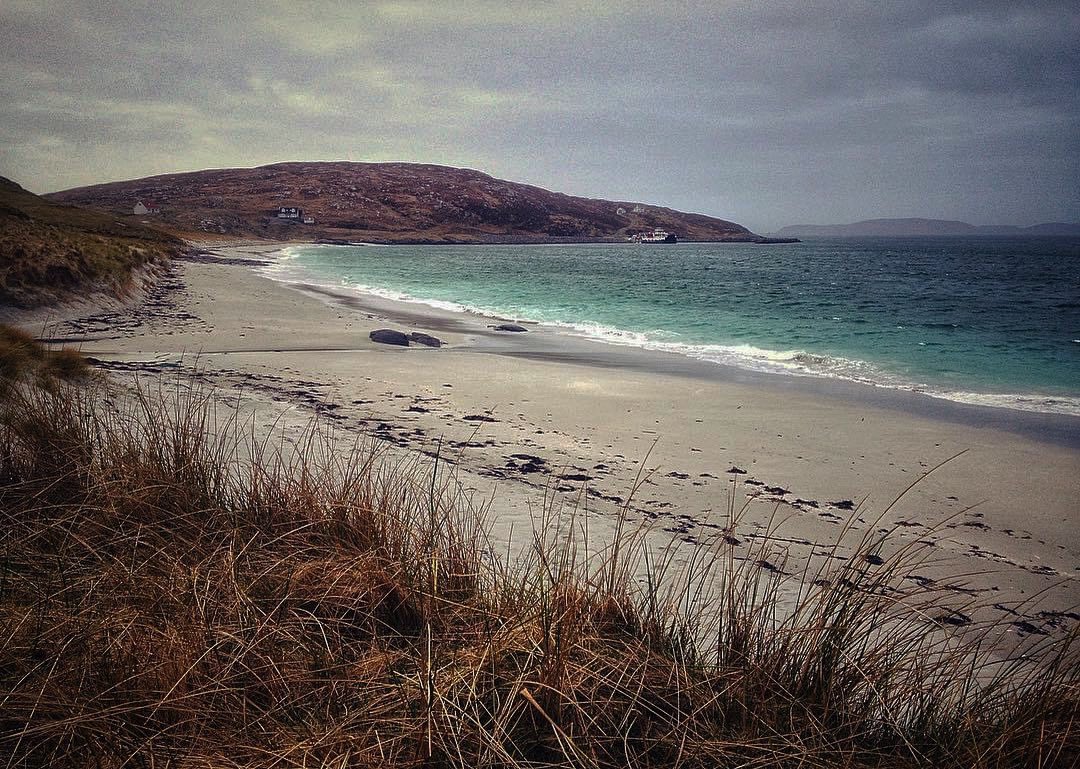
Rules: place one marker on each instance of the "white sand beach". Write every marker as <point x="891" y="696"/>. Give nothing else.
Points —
<point x="525" y="418"/>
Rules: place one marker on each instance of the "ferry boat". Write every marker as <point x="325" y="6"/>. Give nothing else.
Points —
<point x="656" y="236"/>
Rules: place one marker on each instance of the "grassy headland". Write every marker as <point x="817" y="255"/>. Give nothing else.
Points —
<point x="176" y="592"/>
<point x="387" y="203"/>
<point x="51" y="252"/>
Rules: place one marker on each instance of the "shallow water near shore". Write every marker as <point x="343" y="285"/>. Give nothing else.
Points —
<point x="982" y="321"/>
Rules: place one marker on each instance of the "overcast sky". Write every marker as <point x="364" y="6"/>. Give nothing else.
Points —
<point x="767" y="113"/>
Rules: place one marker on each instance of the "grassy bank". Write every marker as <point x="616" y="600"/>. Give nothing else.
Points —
<point x="177" y="592"/>
<point x="51" y="252"/>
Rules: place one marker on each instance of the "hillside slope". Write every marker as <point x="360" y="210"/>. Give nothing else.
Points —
<point x="385" y="202"/>
<point x="51" y="252"/>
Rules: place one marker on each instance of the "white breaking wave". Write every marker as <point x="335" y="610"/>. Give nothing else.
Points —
<point x="601" y="332"/>
<point x="278" y="267"/>
<point x="1044" y="404"/>
<point x="401" y="296"/>
<point x="803" y="363"/>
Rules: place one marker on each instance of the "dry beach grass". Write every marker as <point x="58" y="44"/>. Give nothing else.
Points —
<point x="51" y="252"/>
<point x="179" y="589"/>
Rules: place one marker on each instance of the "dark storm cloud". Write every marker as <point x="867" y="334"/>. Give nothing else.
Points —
<point x="756" y="111"/>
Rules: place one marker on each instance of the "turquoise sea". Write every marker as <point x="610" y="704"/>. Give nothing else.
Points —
<point x="981" y="320"/>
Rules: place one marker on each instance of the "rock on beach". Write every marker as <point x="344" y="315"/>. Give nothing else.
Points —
<point x="389" y="336"/>
<point x="425" y="339"/>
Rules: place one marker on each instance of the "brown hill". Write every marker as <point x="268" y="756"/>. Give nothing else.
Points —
<point x="51" y="252"/>
<point x="385" y="202"/>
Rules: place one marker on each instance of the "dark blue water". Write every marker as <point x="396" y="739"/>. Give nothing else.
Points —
<point x="993" y="321"/>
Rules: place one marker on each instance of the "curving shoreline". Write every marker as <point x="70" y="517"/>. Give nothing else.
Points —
<point x="554" y="343"/>
<point x="611" y="298"/>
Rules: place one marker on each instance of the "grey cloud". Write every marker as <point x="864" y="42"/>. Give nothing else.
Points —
<point x="763" y="110"/>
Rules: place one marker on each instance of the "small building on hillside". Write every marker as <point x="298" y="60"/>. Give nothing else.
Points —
<point x="309" y="220"/>
<point x="149" y="207"/>
<point x="289" y="212"/>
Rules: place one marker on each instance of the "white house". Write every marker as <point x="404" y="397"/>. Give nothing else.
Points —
<point x="289" y="212"/>
<point x="148" y="207"/>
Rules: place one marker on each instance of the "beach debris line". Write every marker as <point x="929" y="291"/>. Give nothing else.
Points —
<point x="529" y="464"/>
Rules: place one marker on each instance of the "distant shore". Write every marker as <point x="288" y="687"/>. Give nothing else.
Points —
<point x="527" y="416"/>
<point x="508" y="240"/>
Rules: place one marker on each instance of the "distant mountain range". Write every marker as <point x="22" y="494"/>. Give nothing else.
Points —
<point x="913" y="228"/>
<point x="383" y="202"/>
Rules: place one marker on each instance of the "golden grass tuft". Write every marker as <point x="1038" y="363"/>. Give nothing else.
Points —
<point x="22" y="357"/>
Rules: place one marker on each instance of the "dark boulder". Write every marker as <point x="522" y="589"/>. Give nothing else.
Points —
<point x="509" y="327"/>
<point x="389" y="336"/>
<point x="425" y="339"/>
